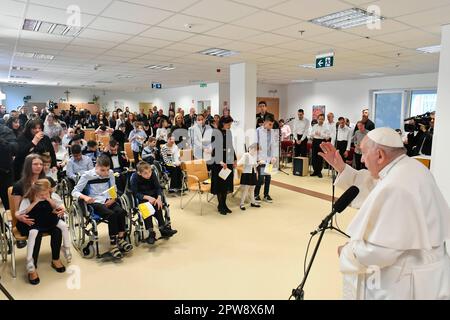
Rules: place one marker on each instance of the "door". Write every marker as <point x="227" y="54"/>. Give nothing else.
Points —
<point x="389" y="109"/>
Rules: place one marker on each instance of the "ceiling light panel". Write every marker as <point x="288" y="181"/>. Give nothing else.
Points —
<point x="347" y="19"/>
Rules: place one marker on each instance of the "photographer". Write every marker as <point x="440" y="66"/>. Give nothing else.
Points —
<point x="420" y="136"/>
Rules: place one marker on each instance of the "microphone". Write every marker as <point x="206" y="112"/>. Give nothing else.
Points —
<point x="341" y="204"/>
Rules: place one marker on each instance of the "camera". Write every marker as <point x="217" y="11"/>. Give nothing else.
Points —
<point x="421" y="120"/>
<point x="52" y="106"/>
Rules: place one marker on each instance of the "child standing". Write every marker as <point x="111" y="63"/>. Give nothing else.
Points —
<point x="137" y="138"/>
<point x="249" y="178"/>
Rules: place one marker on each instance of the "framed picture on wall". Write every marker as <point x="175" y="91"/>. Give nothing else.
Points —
<point x="317" y="110"/>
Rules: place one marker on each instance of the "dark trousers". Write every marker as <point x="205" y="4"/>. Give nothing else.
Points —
<point x="222" y="200"/>
<point x="317" y="161"/>
<point x="301" y="150"/>
<point x="358" y="164"/>
<point x="175" y="177"/>
<point x="263" y="179"/>
<point x="55" y="244"/>
<point x="342" y="147"/>
<point x="159" y="217"/>
<point x="115" y="216"/>
<point x="136" y="157"/>
<point x="6" y="179"/>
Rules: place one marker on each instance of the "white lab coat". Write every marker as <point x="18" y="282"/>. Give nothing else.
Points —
<point x="200" y="138"/>
<point x="400" y="238"/>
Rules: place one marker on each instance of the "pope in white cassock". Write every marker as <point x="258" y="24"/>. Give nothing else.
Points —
<point x="400" y="237"/>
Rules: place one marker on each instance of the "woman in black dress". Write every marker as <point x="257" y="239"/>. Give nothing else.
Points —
<point x="32" y="140"/>
<point x="224" y="157"/>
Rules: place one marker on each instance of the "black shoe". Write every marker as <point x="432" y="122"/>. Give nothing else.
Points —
<point x="34" y="281"/>
<point x="222" y="212"/>
<point x="242" y="208"/>
<point x="21" y="244"/>
<point x="151" y="238"/>
<point x="255" y="205"/>
<point x="313" y="175"/>
<point x="168" y="232"/>
<point x="268" y="199"/>
<point x="60" y="269"/>
<point x="258" y="198"/>
<point x="320" y="175"/>
<point x="227" y="210"/>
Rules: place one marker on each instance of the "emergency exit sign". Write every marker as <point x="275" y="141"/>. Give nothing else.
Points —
<point x="203" y="85"/>
<point x="325" y="61"/>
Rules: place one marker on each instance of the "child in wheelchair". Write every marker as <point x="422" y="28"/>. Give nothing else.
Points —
<point x="39" y="204"/>
<point x="150" y="152"/>
<point x="145" y="186"/>
<point x="93" y="188"/>
<point x="77" y="165"/>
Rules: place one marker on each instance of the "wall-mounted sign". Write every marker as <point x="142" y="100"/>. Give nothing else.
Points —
<point x="156" y="85"/>
<point x="203" y="85"/>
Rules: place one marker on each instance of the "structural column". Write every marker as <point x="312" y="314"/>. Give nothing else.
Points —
<point x="243" y="81"/>
<point x="441" y="151"/>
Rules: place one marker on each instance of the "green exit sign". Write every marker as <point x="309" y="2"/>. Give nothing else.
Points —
<point x="203" y="85"/>
<point x="324" y="61"/>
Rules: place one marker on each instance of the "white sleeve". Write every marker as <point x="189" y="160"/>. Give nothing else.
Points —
<point x="358" y="256"/>
<point x="349" y="140"/>
<point x="24" y="204"/>
<point x="361" y="179"/>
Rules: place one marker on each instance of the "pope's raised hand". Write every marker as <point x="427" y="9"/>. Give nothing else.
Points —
<point x="332" y="156"/>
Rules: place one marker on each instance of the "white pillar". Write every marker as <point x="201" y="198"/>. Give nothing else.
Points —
<point x="243" y="80"/>
<point x="441" y="153"/>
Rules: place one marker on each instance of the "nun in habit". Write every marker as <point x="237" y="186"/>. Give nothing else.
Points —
<point x="400" y="237"/>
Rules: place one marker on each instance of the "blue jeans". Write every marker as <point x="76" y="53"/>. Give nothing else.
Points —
<point x="263" y="179"/>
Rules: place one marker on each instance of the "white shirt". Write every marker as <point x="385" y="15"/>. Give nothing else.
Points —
<point x="332" y="129"/>
<point x="249" y="162"/>
<point x="115" y="161"/>
<point x="345" y="134"/>
<point x="301" y="127"/>
<point x="285" y="133"/>
<point x="320" y="132"/>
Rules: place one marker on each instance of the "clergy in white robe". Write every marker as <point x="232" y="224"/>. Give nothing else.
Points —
<point x="400" y="237"/>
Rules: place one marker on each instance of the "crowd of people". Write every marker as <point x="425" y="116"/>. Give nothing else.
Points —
<point x="41" y="146"/>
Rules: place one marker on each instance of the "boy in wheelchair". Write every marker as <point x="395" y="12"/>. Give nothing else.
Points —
<point x="145" y="186"/>
<point x="77" y="165"/>
<point x="93" y="188"/>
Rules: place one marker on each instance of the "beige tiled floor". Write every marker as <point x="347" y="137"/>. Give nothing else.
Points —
<point x="257" y="254"/>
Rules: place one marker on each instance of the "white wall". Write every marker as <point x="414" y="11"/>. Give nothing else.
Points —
<point x="441" y="153"/>
<point x="347" y="98"/>
<point x="182" y="96"/>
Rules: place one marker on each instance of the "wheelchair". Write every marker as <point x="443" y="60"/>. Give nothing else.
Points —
<point x="83" y="227"/>
<point x="130" y="203"/>
<point x="64" y="188"/>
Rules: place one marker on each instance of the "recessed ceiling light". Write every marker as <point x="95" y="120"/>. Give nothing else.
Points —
<point x="347" y="19"/>
<point x="160" y="67"/>
<point x="431" y="49"/>
<point x="308" y="66"/>
<point x="19" y="77"/>
<point x="87" y="86"/>
<point x="103" y="81"/>
<point x="302" y="81"/>
<point x="216" y="52"/>
<point x="24" y="68"/>
<point x="51" y="28"/>
<point x="35" y="55"/>
<point x="124" y="76"/>
<point x="18" y="82"/>
<point x="372" y="74"/>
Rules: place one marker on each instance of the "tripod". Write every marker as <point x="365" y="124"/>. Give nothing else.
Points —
<point x="299" y="293"/>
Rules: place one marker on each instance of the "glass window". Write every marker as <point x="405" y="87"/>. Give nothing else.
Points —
<point x="423" y="101"/>
<point x="388" y="109"/>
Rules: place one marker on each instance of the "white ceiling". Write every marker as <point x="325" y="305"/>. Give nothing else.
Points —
<point x="125" y="36"/>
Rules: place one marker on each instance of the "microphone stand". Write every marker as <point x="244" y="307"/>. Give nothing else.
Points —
<point x="299" y="293"/>
<point x="333" y="191"/>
